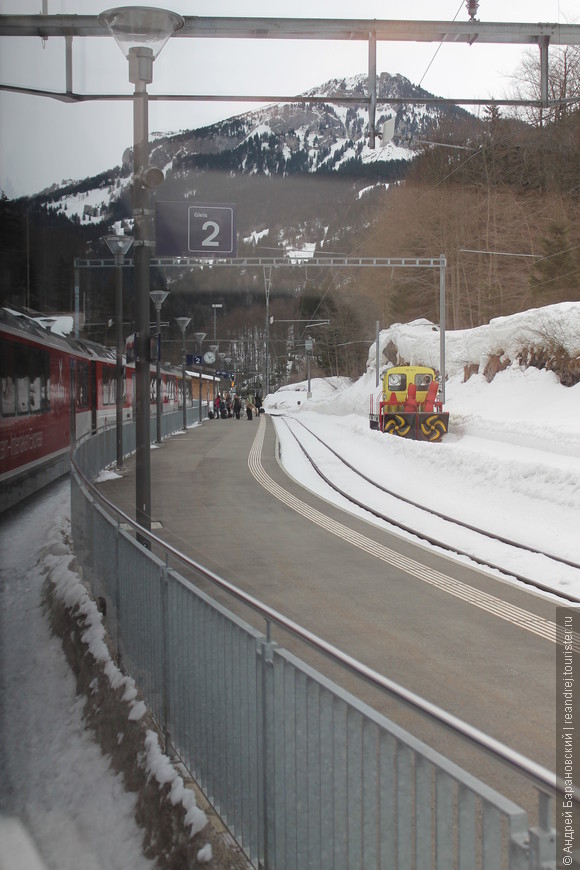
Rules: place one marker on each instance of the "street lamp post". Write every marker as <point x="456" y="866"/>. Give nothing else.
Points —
<point x="199" y="337"/>
<point x="141" y="33"/>
<point x="118" y="246"/>
<point x="215" y="306"/>
<point x="227" y="360"/>
<point x="158" y="297"/>
<point x="214" y="349"/>
<point x="308" y="345"/>
<point x="183" y="324"/>
<point x="267" y="284"/>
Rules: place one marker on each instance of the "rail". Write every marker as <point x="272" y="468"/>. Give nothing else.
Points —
<point x="303" y="772"/>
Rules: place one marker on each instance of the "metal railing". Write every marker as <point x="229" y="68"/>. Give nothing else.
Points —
<point x="303" y="772"/>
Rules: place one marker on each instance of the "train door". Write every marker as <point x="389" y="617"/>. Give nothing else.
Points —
<point x="73" y="402"/>
<point x="94" y="395"/>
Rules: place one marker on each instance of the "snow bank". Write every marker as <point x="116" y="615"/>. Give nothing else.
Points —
<point x="520" y="405"/>
<point x="418" y="342"/>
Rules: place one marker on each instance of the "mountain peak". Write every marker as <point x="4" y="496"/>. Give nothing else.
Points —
<point x="281" y="139"/>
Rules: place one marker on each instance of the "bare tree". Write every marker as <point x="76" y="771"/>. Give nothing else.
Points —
<point x="563" y="85"/>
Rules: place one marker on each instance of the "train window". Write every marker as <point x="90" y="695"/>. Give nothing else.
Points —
<point x="39" y="381"/>
<point x="82" y="397"/>
<point x="7" y="379"/>
<point x="422" y="381"/>
<point x="21" y="379"/>
<point x="45" y="384"/>
<point x="35" y="395"/>
<point x="108" y="386"/>
<point x="8" y="396"/>
<point x="397" y="382"/>
<point x="39" y="362"/>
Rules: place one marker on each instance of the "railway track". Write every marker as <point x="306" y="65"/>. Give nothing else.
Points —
<point x="362" y="491"/>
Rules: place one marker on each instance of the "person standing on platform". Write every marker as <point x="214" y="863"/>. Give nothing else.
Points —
<point x="249" y="409"/>
<point x="216" y="405"/>
<point x="258" y="403"/>
<point x="237" y="406"/>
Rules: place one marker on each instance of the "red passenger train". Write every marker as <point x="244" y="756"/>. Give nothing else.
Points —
<point x="54" y="391"/>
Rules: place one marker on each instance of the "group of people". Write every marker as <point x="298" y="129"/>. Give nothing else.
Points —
<point x="225" y="406"/>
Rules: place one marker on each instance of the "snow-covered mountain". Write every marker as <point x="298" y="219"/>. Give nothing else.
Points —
<point x="278" y="140"/>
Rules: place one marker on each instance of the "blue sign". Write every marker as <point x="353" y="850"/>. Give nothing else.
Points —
<point x="183" y="229"/>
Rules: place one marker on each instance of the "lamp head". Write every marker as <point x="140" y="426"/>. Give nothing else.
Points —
<point x="118" y="245"/>
<point x="183" y="323"/>
<point x="141" y="32"/>
<point x="158" y="297"/>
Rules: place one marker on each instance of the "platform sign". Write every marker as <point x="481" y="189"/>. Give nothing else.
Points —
<point x="185" y="229"/>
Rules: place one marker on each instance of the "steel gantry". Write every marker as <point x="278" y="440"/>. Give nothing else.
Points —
<point x="371" y="31"/>
<point x="332" y="261"/>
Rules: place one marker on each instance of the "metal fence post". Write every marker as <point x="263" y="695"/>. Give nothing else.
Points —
<point x="268" y="773"/>
<point x="542" y="838"/>
<point x="164" y="577"/>
<point x="118" y="593"/>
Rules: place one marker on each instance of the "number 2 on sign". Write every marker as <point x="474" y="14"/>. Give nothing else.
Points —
<point x="211" y="240"/>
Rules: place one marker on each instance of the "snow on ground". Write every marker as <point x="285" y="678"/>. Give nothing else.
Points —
<point x="511" y="460"/>
<point x="47" y="752"/>
<point x="54" y="777"/>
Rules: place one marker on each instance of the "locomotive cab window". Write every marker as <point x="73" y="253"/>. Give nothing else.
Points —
<point x="397" y="382"/>
<point x="422" y="381"/>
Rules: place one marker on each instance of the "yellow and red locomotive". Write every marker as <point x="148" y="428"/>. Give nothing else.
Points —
<point x="409" y="405"/>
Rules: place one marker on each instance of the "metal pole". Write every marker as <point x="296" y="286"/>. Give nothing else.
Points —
<point x="119" y="245"/>
<point x="183" y="381"/>
<point x="544" y="42"/>
<point x="200" y="410"/>
<point x="372" y="86"/>
<point x="77" y="283"/>
<point x="158" y="297"/>
<point x="214" y="349"/>
<point x="129" y="25"/>
<point x="377" y="354"/>
<point x="183" y="324"/>
<point x="119" y="258"/>
<point x="308" y="344"/>
<point x="158" y="390"/>
<point x="141" y="257"/>
<point x="442" y="265"/>
<point x="267" y="280"/>
<point x="199" y="337"/>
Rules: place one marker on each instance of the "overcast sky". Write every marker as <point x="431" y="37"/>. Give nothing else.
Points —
<point x="43" y="141"/>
